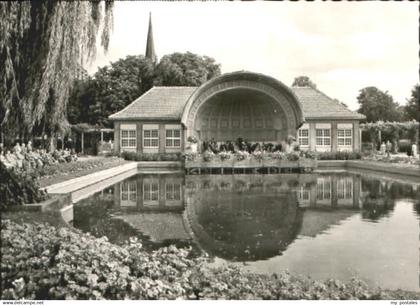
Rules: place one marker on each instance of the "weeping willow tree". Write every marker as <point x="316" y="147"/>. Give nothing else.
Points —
<point x="42" y="44"/>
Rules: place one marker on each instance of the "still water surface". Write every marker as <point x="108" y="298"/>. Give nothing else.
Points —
<point x="320" y="225"/>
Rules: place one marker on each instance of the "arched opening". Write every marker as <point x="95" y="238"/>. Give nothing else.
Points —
<point x="241" y="113"/>
<point x="249" y="105"/>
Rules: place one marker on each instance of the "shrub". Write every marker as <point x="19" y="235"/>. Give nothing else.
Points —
<point x="278" y="155"/>
<point x="42" y="262"/>
<point x="17" y="188"/>
<point x="224" y="155"/>
<point x="207" y="156"/>
<point x="308" y="154"/>
<point x="112" y="153"/>
<point x="294" y="156"/>
<point x="190" y="156"/>
<point x="192" y="139"/>
<point x="405" y="146"/>
<point x="241" y="155"/>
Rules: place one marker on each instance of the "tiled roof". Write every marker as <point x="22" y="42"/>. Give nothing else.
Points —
<point x="157" y="103"/>
<point x="316" y="104"/>
<point x="168" y="103"/>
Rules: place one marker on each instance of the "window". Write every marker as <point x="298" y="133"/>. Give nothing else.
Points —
<point x="323" y="137"/>
<point x="151" y="138"/>
<point x="128" y="193"/>
<point x="345" y="188"/>
<point x="173" y="138"/>
<point x="323" y="189"/>
<point x="303" y="136"/>
<point x="151" y="191"/>
<point x="303" y="195"/>
<point x="128" y="136"/>
<point x="173" y="191"/>
<point x="258" y="123"/>
<point x="344" y="137"/>
<point x="224" y="123"/>
<point x="235" y="123"/>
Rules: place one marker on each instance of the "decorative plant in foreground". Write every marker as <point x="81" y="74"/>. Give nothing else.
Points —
<point x="42" y="262"/>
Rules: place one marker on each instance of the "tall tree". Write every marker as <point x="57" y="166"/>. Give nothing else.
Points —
<point x="118" y="85"/>
<point x="303" y="81"/>
<point x="377" y="105"/>
<point x="82" y="97"/>
<point x="41" y="45"/>
<point x="412" y="108"/>
<point x="186" y="69"/>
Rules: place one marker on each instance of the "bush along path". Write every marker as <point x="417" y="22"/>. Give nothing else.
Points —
<point x="42" y="262"/>
<point x="17" y="188"/>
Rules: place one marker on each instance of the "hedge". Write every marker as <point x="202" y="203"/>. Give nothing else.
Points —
<point x="134" y="156"/>
<point x="339" y="155"/>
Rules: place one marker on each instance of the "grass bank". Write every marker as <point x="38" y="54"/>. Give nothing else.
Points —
<point x="40" y="261"/>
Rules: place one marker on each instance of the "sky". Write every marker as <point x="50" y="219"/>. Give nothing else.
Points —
<point x="342" y="46"/>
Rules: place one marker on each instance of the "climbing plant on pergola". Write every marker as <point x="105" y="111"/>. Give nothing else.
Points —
<point x="395" y="129"/>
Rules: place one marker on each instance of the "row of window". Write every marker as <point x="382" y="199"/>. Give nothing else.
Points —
<point x="151" y="137"/>
<point x="323" y="137"/>
<point x="236" y="123"/>
<point x="150" y="191"/>
<point x="323" y="190"/>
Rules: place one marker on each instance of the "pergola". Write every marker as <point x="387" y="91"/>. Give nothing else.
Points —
<point x="85" y="128"/>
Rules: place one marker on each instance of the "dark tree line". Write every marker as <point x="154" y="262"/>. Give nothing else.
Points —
<point x="115" y="86"/>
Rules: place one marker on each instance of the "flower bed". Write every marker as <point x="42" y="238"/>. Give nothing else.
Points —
<point x="42" y="262"/>
<point x="396" y="159"/>
<point x="245" y="160"/>
<point x="339" y="155"/>
<point x="57" y="173"/>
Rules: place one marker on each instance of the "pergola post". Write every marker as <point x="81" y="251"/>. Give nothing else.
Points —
<point x="52" y="146"/>
<point x="83" y="142"/>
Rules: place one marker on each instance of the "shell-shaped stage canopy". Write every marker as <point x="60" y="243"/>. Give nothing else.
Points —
<point x="243" y="104"/>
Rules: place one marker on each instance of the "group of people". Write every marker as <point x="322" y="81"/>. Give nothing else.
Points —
<point x="25" y="157"/>
<point x="387" y="148"/>
<point x="241" y="145"/>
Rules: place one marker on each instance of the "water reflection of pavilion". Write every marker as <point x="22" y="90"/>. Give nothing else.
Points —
<point x="331" y="191"/>
<point x="151" y="192"/>
<point x="245" y="217"/>
<point x="166" y="192"/>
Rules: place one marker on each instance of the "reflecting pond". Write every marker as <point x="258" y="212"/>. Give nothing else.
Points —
<point x="336" y="225"/>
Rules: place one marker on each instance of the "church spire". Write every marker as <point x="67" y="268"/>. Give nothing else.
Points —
<point x="150" y="47"/>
